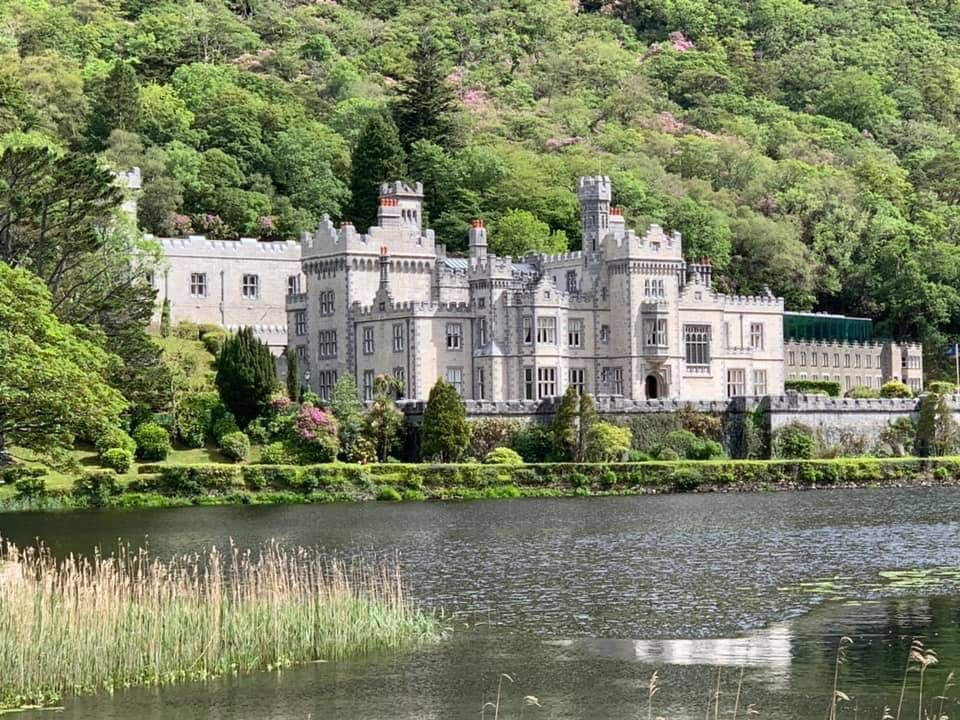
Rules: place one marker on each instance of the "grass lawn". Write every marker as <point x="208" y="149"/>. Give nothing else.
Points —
<point x="87" y="458"/>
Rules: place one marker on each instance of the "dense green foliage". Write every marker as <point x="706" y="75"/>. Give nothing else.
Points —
<point x="246" y="375"/>
<point x="809" y="147"/>
<point x="153" y="442"/>
<point x="812" y="387"/>
<point x="445" y="432"/>
<point x="53" y="377"/>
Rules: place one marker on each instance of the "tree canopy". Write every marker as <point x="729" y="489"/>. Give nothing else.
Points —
<point x="807" y="147"/>
<point x="53" y="376"/>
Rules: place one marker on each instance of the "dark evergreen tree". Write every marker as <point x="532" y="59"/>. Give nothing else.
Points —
<point x="445" y="432"/>
<point x="165" y="319"/>
<point x="426" y="103"/>
<point x="293" y="375"/>
<point x="936" y="428"/>
<point x="565" y="435"/>
<point x="588" y="418"/>
<point x="115" y="103"/>
<point x="246" y="376"/>
<point x="377" y="158"/>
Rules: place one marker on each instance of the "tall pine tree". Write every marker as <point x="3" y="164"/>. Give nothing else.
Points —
<point x="246" y="376"/>
<point x="116" y="103"/>
<point x="377" y="158"/>
<point x="445" y="433"/>
<point x="293" y="375"/>
<point x="426" y="103"/>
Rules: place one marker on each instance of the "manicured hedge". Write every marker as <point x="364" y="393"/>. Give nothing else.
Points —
<point x="829" y="387"/>
<point x="362" y="482"/>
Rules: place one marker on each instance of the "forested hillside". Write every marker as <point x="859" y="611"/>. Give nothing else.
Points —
<point x="808" y="146"/>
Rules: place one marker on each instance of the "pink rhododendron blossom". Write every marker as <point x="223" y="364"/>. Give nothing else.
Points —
<point x="680" y="43"/>
<point x="312" y="422"/>
<point x="280" y="403"/>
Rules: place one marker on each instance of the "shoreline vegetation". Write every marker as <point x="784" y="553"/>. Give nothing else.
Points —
<point x="165" y="485"/>
<point x="99" y="624"/>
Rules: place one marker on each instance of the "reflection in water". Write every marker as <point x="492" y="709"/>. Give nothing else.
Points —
<point x="557" y="593"/>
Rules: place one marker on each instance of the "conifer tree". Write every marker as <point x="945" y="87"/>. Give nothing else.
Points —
<point x="426" y="103"/>
<point x="116" y="103"/>
<point x="293" y="375"/>
<point x="377" y="158"/>
<point x="246" y="375"/>
<point x="565" y="435"/>
<point x="165" y="319"/>
<point x="445" y="433"/>
<point x="936" y="429"/>
<point x="588" y="419"/>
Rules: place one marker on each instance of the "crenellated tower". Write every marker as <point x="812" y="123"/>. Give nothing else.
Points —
<point x="594" y="194"/>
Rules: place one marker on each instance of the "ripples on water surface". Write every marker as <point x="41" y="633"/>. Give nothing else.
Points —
<point x="580" y="600"/>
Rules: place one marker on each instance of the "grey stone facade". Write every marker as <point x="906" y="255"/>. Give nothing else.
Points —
<point x="627" y="317"/>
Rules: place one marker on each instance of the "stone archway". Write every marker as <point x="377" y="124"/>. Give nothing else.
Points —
<point x="652" y="387"/>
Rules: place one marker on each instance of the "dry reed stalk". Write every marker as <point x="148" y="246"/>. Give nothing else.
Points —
<point x="107" y="622"/>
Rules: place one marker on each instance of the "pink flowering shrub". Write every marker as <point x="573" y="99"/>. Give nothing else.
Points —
<point x="314" y="435"/>
<point x="280" y="404"/>
<point x="182" y="224"/>
<point x="311" y="422"/>
<point x="680" y="43"/>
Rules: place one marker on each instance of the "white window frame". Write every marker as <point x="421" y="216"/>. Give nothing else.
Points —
<point x="250" y="286"/>
<point x="454" y="376"/>
<point x="696" y="344"/>
<point x="369" y="343"/>
<point x="300" y="323"/>
<point x="575" y="332"/>
<point x="756" y="337"/>
<point x="760" y="382"/>
<point x="198" y="284"/>
<point x="546" y="330"/>
<point x="737" y="382"/>
<point x="398" y="337"/>
<point x="455" y="336"/>
<point x="576" y="378"/>
<point x="546" y="382"/>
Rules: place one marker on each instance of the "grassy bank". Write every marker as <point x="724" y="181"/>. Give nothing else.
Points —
<point x="170" y="485"/>
<point x="100" y="624"/>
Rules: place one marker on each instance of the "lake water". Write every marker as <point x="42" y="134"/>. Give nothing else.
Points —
<point x="581" y="600"/>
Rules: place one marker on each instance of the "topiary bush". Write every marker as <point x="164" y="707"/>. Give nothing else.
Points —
<point x="235" y="446"/>
<point x="117" y="459"/>
<point x="114" y="437"/>
<point x="213" y="342"/>
<point x="153" y="442"/>
<point x="668" y="454"/>
<point x="794" y="441"/>
<point x="608" y="442"/>
<point x="503" y="456"/>
<point x="814" y="387"/>
<point x="941" y="387"/>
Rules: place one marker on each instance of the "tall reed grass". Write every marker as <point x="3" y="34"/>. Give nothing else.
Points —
<point x="107" y="622"/>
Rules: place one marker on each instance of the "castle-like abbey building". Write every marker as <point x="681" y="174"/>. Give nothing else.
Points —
<point x="628" y="316"/>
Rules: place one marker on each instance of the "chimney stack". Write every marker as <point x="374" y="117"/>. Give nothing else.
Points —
<point x="478" y="240"/>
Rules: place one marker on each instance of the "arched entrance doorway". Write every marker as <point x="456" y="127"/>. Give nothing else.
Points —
<point x="652" y="387"/>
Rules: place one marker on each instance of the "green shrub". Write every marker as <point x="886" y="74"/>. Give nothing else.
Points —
<point x="195" y="413"/>
<point x="503" y="456"/>
<point x="274" y="454"/>
<point x="257" y="432"/>
<point x="226" y="424"/>
<point x="187" y="330"/>
<point x="579" y="480"/>
<point x="535" y="443"/>
<point x="114" y="437"/>
<point x="235" y="446"/>
<point x="153" y="442"/>
<point x="895" y="389"/>
<point x="794" y="441"/>
<point x="117" y="459"/>
<point x="681" y="441"/>
<point x="213" y="342"/>
<point x="941" y="387"/>
<point x="686" y="479"/>
<point x="609" y="478"/>
<point x="638" y="456"/>
<point x="813" y="387"/>
<point x="860" y="392"/>
<point x="96" y="487"/>
<point x="608" y="442"/>
<point x="194" y="480"/>
<point x="389" y="494"/>
<point x="30" y="486"/>
<point x="12" y="474"/>
<point x="413" y="495"/>
<point x="668" y="454"/>
<point x="706" y="450"/>
<point x="503" y="492"/>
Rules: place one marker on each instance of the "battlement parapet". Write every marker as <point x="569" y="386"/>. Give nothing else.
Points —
<point x="412" y="308"/>
<point x="202" y="246"/>
<point x="562" y="258"/>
